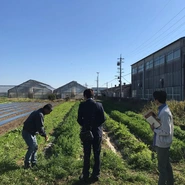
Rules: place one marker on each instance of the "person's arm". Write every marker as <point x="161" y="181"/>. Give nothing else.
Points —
<point x="165" y="129"/>
<point x="80" y="115"/>
<point x="40" y="125"/>
<point x="101" y="116"/>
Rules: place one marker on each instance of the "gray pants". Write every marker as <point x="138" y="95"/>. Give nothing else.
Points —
<point x="164" y="166"/>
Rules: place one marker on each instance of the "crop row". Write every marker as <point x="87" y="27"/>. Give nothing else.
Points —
<point x="141" y="129"/>
<point x="134" y="151"/>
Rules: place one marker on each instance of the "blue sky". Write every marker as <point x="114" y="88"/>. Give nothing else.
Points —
<point x="58" y="41"/>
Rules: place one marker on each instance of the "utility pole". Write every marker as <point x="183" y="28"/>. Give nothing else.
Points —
<point x="97" y="82"/>
<point x="120" y="61"/>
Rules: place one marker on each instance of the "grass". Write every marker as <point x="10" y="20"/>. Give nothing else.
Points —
<point x="61" y="159"/>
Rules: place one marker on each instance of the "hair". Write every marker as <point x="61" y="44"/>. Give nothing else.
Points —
<point x="160" y="96"/>
<point x="88" y="93"/>
<point x="48" y="106"/>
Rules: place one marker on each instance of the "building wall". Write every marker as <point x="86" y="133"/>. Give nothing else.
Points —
<point x="163" y="70"/>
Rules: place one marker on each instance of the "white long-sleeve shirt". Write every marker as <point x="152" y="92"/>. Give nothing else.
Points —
<point x="164" y="133"/>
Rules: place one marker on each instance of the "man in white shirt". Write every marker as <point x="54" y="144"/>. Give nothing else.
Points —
<point x="163" y="136"/>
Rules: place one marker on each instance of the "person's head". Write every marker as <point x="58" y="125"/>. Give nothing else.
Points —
<point x="47" y="108"/>
<point x="88" y="93"/>
<point x="160" y="97"/>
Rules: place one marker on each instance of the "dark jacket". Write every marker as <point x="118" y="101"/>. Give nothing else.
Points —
<point x="35" y="123"/>
<point x="91" y="115"/>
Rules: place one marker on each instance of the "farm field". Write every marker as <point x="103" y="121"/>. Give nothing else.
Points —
<point x="127" y="156"/>
<point x="12" y="114"/>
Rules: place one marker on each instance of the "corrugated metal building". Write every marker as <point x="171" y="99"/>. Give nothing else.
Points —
<point x="70" y="90"/>
<point x="162" y="70"/>
<point x="31" y="89"/>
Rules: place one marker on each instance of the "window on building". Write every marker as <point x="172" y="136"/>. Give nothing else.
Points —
<point x="140" y="68"/>
<point x="149" y="65"/>
<point x="169" y="57"/>
<point x="133" y="93"/>
<point x="159" y="60"/>
<point x="156" y="61"/>
<point x="134" y="70"/>
<point x="176" y="54"/>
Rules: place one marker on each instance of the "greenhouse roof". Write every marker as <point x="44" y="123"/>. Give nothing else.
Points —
<point x="5" y="88"/>
<point x="71" y="84"/>
<point x="31" y="83"/>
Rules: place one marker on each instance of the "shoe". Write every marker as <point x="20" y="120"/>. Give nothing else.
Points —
<point x="94" y="178"/>
<point x="34" y="165"/>
<point x="27" y="165"/>
<point x="82" y="178"/>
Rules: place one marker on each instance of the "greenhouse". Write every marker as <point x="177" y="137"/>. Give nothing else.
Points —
<point x="70" y="90"/>
<point x="31" y="89"/>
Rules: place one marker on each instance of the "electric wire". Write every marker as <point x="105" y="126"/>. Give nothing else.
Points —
<point x="142" y="48"/>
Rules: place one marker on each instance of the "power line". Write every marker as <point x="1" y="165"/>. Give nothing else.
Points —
<point x="153" y="21"/>
<point x="126" y="80"/>
<point x="173" y="31"/>
<point x="127" y="74"/>
<point x="109" y="81"/>
<point x="115" y="79"/>
<point x="159" y="31"/>
<point x="166" y="31"/>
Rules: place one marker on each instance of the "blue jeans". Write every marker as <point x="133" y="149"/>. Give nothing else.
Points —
<point x="31" y="141"/>
<point x="164" y="166"/>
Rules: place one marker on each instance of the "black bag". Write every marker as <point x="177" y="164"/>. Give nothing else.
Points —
<point x="86" y="136"/>
<point x="86" y="133"/>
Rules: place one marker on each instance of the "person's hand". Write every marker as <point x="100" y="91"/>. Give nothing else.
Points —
<point x="46" y="138"/>
<point x="152" y="127"/>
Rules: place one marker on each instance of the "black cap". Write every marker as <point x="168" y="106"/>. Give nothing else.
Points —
<point x="48" y="106"/>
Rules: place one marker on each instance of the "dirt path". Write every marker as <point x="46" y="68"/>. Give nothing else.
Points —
<point x="107" y="143"/>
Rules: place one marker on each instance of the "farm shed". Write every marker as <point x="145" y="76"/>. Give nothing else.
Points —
<point x="115" y="91"/>
<point x="31" y="89"/>
<point x="98" y="90"/>
<point x="4" y="90"/>
<point x="70" y="90"/>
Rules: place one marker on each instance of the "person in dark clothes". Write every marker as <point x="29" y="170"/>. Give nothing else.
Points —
<point x="33" y="125"/>
<point x="91" y="112"/>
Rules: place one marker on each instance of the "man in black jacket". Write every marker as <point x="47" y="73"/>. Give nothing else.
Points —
<point x="91" y="116"/>
<point x="34" y="124"/>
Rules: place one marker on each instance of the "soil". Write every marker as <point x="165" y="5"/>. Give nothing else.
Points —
<point x="16" y="123"/>
<point x="11" y="125"/>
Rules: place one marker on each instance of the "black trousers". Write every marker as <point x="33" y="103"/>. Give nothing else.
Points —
<point x="96" y="146"/>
